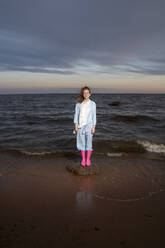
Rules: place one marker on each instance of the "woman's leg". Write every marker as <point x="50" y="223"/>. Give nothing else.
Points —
<point x="80" y="140"/>
<point x="81" y="144"/>
<point x="83" y="158"/>
<point x="89" y="149"/>
<point x="88" y="160"/>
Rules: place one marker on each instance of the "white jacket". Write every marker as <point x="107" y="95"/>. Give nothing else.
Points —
<point x="91" y="119"/>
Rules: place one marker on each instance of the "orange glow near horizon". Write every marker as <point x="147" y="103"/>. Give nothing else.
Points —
<point x="113" y="83"/>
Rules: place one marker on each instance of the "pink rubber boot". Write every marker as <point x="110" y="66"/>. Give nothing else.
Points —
<point x="83" y="158"/>
<point x="88" y="161"/>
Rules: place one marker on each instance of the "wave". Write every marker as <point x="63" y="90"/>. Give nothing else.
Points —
<point x="37" y="119"/>
<point x="152" y="147"/>
<point x="17" y="152"/>
<point x="116" y="148"/>
<point x="105" y="147"/>
<point x="134" y="118"/>
<point x="114" y="154"/>
<point x="60" y="119"/>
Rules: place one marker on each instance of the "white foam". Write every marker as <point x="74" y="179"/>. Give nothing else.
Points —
<point x="35" y="153"/>
<point x="114" y="154"/>
<point x="152" y="147"/>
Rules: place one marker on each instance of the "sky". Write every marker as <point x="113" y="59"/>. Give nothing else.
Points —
<point x="112" y="46"/>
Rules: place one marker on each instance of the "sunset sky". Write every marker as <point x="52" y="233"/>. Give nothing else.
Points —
<point x="114" y="46"/>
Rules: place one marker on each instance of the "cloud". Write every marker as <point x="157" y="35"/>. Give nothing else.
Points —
<point x="56" y="36"/>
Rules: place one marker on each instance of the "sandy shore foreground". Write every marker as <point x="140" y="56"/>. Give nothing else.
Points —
<point x="43" y="205"/>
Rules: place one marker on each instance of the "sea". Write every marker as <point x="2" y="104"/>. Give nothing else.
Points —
<point x="42" y="124"/>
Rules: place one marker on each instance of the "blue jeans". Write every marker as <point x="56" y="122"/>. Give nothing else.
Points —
<point x="84" y="138"/>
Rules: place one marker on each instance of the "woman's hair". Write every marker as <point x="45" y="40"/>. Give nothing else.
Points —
<point x="80" y="98"/>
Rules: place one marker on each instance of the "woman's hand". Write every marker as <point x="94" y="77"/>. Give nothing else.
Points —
<point x="76" y="128"/>
<point x="93" y="129"/>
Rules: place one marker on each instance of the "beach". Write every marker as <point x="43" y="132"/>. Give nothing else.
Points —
<point x="44" y="205"/>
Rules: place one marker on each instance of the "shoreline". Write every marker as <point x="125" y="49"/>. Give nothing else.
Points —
<point x="43" y="205"/>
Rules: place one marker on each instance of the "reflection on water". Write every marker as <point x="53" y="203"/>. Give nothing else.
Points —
<point x="84" y="196"/>
<point x="84" y="200"/>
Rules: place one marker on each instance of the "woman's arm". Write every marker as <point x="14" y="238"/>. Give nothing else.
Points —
<point x="94" y="118"/>
<point x="76" y="118"/>
<point x="94" y="115"/>
<point x="76" y="115"/>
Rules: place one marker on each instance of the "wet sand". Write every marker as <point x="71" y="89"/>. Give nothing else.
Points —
<point x="44" y="205"/>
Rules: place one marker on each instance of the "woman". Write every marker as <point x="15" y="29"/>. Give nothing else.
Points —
<point x="85" y="123"/>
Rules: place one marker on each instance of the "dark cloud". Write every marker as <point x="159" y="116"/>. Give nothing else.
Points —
<point x="55" y="36"/>
<point x="147" y="71"/>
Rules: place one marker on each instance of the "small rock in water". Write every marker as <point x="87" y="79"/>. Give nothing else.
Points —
<point x="116" y="103"/>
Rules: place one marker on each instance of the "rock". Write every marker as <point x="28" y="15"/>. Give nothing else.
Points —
<point x="117" y="103"/>
<point x="79" y="170"/>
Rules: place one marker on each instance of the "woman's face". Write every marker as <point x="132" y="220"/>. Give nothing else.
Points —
<point x="86" y="94"/>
